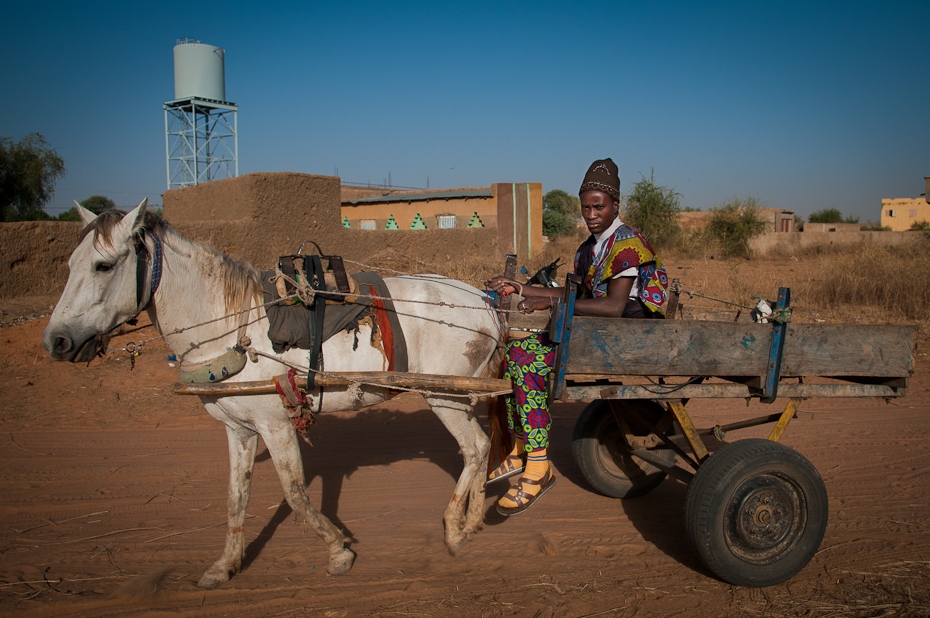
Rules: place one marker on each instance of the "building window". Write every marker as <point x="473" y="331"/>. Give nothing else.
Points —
<point x="446" y="222"/>
<point x="889" y="213"/>
<point x="913" y="212"/>
<point x="367" y="224"/>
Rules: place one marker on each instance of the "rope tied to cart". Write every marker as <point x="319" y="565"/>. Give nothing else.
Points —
<point x="762" y="311"/>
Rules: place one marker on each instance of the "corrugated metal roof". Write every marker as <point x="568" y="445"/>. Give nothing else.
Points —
<point x="419" y="197"/>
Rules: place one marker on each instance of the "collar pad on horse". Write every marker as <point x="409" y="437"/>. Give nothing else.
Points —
<point x="228" y="364"/>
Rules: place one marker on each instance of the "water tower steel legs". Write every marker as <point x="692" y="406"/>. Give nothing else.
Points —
<point x="201" y="141"/>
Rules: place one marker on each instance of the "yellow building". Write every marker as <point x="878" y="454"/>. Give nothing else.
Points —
<point x="902" y="212"/>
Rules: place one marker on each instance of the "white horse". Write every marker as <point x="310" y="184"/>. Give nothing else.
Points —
<point x="112" y="280"/>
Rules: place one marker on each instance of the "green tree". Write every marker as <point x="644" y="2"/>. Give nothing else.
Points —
<point x="29" y="169"/>
<point x="95" y="203"/>
<point x="560" y="213"/>
<point x="734" y="224"/>
<point x="653" y="210"/>
<point x="828" y="215"/>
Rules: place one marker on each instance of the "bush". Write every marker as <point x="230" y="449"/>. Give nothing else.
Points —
<point x="829" y="215"/>
<point x="734" y="224"/>
<point x="95" y="203"/>
<point x="653" y="210"/>
<point x="920" y="226"/>
<point x="29" y="170"/>
<point x="561" y="212"/>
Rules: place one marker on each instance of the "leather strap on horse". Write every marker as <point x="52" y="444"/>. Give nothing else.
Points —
<point x="295" y="401"/>
<point x="142" y="253"/>
<point x="315" y="272"/>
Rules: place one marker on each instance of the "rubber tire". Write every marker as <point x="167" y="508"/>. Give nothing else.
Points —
<point x="789" y="500"/>
<point x="601" y="454"/>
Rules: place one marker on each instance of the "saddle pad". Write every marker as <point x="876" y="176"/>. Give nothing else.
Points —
<point x="288" y="325"/>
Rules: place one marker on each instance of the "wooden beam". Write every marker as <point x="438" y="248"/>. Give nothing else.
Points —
<point x="723" y="391"/>
<point x="386" y="379"/>
<point x="782" y="424"/>
<point x="687" y="427"/>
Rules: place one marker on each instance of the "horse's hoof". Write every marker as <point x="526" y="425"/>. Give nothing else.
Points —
<point x="341" y="561"/>
<point x="456" y="544"/>
<point x="214" y="577"/>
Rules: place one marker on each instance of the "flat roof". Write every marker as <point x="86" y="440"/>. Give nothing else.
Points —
<point x="420" y="197"/>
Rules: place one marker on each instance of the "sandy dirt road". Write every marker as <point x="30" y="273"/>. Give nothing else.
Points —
<point x="112" y="503"/>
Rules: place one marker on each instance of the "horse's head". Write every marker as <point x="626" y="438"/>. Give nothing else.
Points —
<point x="101" y="290"/>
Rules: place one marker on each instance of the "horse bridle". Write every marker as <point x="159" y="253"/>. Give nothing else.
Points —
<point x="142" y="254"/>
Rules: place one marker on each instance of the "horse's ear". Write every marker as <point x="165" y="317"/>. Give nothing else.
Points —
<point x="133" y="221"/>
<point x="87" y="217"/>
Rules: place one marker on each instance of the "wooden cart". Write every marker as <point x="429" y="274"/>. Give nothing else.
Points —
<point x="756" y="510"/>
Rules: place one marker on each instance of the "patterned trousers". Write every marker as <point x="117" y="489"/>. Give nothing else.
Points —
<point x="529" y="361"/>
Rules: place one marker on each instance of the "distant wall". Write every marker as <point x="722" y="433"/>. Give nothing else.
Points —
<point x="776" y="219"/>
<point x="819" y="228"/>
<point x="796" y="241"/>
<point x="34" y="257"/>
<point x="259" y="216"/>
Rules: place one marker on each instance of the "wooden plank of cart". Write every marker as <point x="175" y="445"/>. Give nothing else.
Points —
<point x="756" y="510"/>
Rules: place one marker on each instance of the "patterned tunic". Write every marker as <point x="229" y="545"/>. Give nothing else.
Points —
<point x="626" y="248"/>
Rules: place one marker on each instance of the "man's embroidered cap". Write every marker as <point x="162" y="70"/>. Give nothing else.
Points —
<point x="602" y="176"/>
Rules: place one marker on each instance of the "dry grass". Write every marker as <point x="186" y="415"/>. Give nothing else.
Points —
<point x="895" y="279"/>
<point x="863" y="283"/>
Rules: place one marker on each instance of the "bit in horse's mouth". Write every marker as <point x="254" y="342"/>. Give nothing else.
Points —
<point x="93" y="347"/>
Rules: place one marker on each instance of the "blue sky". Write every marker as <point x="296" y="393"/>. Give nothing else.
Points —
<point x="804" y="105"/>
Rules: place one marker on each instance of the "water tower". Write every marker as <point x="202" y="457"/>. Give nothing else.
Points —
<point x="201" y="141"/>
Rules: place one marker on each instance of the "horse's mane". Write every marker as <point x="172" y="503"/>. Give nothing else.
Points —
<point x="240" y="280"/>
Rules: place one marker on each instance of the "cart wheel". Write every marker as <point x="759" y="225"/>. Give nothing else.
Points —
<point x="756" y="512"/>
<point x="603" y="457"/>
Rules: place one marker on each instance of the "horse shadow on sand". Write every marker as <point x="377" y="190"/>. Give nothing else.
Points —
<point x="381" y="435"/>
<point x="344" y="442"/>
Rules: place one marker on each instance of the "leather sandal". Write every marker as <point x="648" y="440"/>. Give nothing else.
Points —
<point x="523" y="499"/>
<point x="511" y="466"/>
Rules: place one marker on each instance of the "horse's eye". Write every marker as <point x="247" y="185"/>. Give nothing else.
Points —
<point x="103" y="267"/>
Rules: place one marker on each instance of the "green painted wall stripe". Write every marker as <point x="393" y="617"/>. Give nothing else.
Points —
<point x="513" y="188"/>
